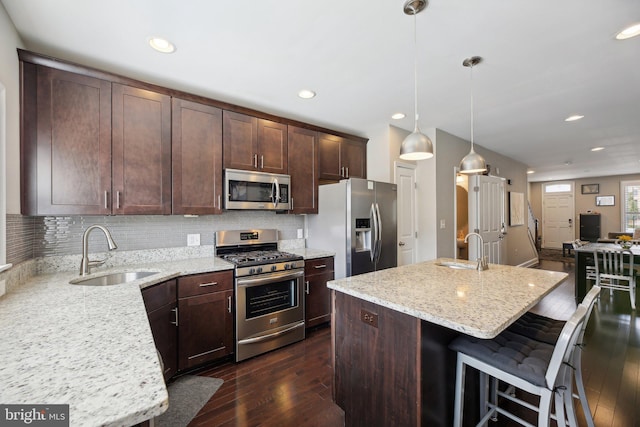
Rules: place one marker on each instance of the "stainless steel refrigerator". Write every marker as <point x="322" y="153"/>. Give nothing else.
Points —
<point x="357" y="219"/>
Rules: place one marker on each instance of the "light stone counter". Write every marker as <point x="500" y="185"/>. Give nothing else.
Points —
<point x="309" y="253"/>
<point x="477" y="303"/>
<point x="87" y="346"/>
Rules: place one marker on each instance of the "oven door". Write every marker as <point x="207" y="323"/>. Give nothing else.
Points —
<point x="269" y="312"/>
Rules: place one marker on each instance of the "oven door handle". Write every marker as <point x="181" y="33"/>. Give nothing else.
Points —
<point x="269" y="278"/>
<point x="272" y="335"/>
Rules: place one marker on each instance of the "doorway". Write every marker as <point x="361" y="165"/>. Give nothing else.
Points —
<point x="558" y="211"/>
<point x="405" y="179"/>
<point x="487" y="217"/>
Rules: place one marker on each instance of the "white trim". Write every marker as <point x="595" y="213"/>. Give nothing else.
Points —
<point x="623" y="201"/>
<point x="3" y="176"/>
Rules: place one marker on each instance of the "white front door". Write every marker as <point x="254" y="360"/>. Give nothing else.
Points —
<point x="486" y="217"/>
<point x="557" y="214"/>
<point x="405" y="178"/>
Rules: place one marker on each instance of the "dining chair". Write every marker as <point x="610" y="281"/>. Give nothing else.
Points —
<point x="590" y="270"/>
<point x="547" y="330"/>
<point x="613" y="267"/>
<point x="533" y="366"/>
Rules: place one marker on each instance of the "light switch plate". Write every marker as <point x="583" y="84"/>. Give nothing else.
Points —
<point x="300" y="235"/>
<point x="193" y="240"/>
<point x="442" y="224"/>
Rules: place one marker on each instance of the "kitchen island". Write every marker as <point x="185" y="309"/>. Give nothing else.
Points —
<point x="391" y="330"/>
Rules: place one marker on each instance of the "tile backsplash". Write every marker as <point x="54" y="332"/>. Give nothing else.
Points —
<point x="34" y="237"/>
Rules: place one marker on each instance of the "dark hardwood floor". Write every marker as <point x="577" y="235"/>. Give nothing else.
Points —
<point x="292" y="386"/>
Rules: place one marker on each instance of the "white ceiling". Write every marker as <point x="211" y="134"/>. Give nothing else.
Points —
<point x="543" y="61"/>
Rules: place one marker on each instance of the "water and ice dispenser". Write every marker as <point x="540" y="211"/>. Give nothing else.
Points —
<point x="363" y="234"/>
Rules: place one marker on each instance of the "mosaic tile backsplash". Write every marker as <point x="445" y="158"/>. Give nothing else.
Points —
<point x="33" y="237"/>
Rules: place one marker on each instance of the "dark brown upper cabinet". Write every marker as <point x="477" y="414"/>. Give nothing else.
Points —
<point x="303" y="168"/>
<point x="196" y="158"/>
<point x="66" y="143"/>
<point x="341" y="158"/>
<point x="250" y="143"/>
<point x="141" y="157"/>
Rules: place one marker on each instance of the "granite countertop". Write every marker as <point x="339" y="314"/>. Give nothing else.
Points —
<point x="309" y="253"/>
<point x="87" y="346"/>
<point x="478" y="303"/>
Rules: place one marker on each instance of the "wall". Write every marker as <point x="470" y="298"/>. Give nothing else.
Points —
<point x="33" y="237"/>
<point x="610" y="216"/>
<point x="10" y="77"/>
<point x="451" y="150"/>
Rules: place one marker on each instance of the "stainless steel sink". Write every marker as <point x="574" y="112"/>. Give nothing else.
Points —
<point x="113" y="278"/>
<point x="457" y="265"/>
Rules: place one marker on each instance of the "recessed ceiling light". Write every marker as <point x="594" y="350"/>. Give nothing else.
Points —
<point x="162" y="45"/>
<point x="530" y="172"/>
<point x="306" y="94"/>
<point x="629" y="32"/>
<point x="597" y="149"/>
<point x="398" y="116"/>
<point x="573" y="118"/>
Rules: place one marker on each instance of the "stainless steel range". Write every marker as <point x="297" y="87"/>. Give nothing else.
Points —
<point x="269" y="290"/>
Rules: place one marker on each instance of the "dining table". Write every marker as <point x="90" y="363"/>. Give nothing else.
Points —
<point x="584" y="256"/>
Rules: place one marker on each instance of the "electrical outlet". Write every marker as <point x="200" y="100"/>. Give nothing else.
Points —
<point x="193" y="240"/>
<point x="300" y="233"/>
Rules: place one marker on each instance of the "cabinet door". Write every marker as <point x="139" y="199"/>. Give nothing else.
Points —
<point x="272" y="147"/>
<point x="329" y="157"/>
<point x="73" y="143"/>
<point x="318" y="299"/>
<point x="160" y="301"/>
<point x="141" y="138"/>
<point x="196" y="146"/>
<point x="205" y="330"/>
<point x="354" y="159"/>
<point x="303" y="168"/>
<point x="239" y="141"/>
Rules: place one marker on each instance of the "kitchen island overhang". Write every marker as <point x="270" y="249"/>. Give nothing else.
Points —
<point x="391" y="330"/>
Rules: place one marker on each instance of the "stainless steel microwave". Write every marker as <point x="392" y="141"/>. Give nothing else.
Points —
<point x="256" y="190"/>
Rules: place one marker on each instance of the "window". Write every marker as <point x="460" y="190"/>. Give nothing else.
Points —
<point x="630" y="199"/>
<point x="559" y="187"/>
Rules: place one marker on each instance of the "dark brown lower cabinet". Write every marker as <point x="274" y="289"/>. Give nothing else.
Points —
<point x="160" y="301"/>
<point x="317" y="272"/>
<point x="205" y="308"/>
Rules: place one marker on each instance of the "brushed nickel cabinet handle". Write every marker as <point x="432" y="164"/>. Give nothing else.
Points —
<point x="175" y="313"/>
<point x="117" y="199"/>
<point x="347" y="168"/>
<point x="261" y="161"/>
<point x="229" y="304"/>
<point x="255" y="160"/>
<point x="320" y="266"/>
<point x="219" y="202"/>
<point x="106" y="199"/>
<point x="204" y="285"/>
<point x="342" y="172"/>
<point x="307" y="287"/>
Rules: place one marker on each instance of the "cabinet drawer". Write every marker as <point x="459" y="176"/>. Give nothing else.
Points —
<point x="158" y="295"/>
<point x="199" y="284"/>
<point x="317" y="266"/>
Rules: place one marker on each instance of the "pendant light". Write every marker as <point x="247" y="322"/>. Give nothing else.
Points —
<point x="416" y="146"/>
<point x="472" y="163"/>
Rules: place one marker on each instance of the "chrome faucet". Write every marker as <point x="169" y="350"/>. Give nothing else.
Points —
<point x="85" y="264"/>
<point x="482" y="261"/>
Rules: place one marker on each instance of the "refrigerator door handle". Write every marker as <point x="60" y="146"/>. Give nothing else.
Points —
<point x="374" y="243"/>
<point x="379" y="236"/>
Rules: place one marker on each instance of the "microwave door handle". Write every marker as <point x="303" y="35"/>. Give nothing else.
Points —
<point x="276" y="196"/>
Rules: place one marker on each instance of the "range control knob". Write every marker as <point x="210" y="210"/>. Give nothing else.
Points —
<point x="287" y="266"/>
<point x="274" y="267"/>
<point x="259" y="270"/>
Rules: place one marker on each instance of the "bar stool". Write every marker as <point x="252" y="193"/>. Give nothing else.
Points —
<point x="547" y="330"/>
<point x="524" y="363"/>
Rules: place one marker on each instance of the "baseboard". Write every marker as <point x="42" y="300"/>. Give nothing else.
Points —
<point x="530" y="263"/>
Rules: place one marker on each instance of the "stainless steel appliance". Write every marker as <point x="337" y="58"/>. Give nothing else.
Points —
<point x="357" y="219"/>
<point x="256" y="190"/>
<point x="269" y="290"/>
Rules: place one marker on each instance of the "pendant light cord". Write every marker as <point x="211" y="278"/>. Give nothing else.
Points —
<point x="471" y="79"/>
<point x="415" y="66"/>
